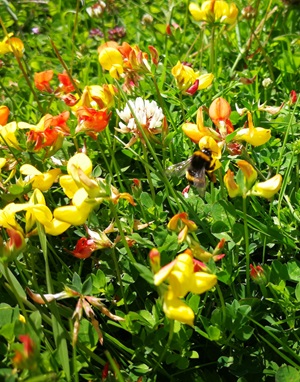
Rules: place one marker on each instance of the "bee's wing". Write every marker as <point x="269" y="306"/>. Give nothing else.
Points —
<point x="199" y="181"/>
<point x="178" y="169"/>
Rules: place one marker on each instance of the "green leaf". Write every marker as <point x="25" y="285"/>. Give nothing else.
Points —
<point x="214" y="333"/>
<point x="87" y="334"/>
<point x="87" y="287"/>
<point x="287" y="373"/>
<point x="141" y="240"/>
<point x="293" y="268"/>
<point x="146" y="200"/>
<point x="8" y="314"/>
<point x="297" y="292"/>
<point x="11" y="278"/>
<point x="99" y="280"/>
<point x="144" y="272"/>
<point x="76" y="282"/>
<point x="15" y="190"/>
<point x="194" y="302"/>
<point x="244" y="333"/>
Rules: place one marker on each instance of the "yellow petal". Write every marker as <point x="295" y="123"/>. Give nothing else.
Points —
<point x="73" y="215"/>
<point x="81" y="161"/>
<point x="249" y="172"/>
<point x="37" y="197"/>
<point x="175" y="309"/>
<point x="197" y="13"/>
<point x="201" y="282"/>
<point x="257" y="137"/>
<point x="163" y="273"/>
<point x="41" y="213"/>
<point x="115" y="71"/>
<point x="2" y="162"/>
<point x="56" y="227"/>
<point x="8" y="135"/>
<point x="205" y="80"/>
<point x="109" y="57"/>
<point x="28" y="169"/>
<point x="69" y="186"/>
<point x="268" y="188"/>
<point x="232" y="188"/>
<point x="179" y="282"/>
<point x="209" y="143"/>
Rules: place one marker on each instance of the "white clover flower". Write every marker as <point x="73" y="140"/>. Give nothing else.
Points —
<point x="141" y="112"/>
<point x="97" y="9"/>
<point x="147" y="19"/>
<point x="266" y="82"/>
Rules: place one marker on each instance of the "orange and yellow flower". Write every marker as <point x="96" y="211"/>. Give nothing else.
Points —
<point x="12" y="45"/>
<point x="189" y="81"/>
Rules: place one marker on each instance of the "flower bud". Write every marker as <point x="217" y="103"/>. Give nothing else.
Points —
<point x="154" y="257"/>
<point x="249" y="173"/>
<point x="257" y="274"/>
<point x="4" y="113"/>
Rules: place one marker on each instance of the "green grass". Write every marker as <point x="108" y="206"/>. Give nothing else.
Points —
<point x="245" y="329"/>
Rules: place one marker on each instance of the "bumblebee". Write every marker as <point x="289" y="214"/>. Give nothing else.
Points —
<point x="195" y="168"/>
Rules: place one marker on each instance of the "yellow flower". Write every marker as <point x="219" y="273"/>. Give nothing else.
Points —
<point x="8" y="135"/>
<point x="176" y="309"/>
<point x="249" y="172"/>
<point x="205" y="80"/>
<point x="256" y="136"/>
<point x="12" y="44"/>
<point x="2" y="163"/>
<point x="80" y="168"/>
<point x="268" y="188"/>
<point x="36" y="210"/>
<point x="197" y="131"/>
<point x="69" y="185"/>
<point x="210" y="144"/>
<point x="42" y="181"/>
<point x="111" y="59"/>
<point x="79" y="161"/>
<point x="214" y="11"/>
<point x="7" y="216"/>
<point x="232" y="188"/>
<point x="78" y="212"/>
<point x="97" y="97"/>
<point x="44" y="216"/>
<point x="182" y="279"/>
<point x="186" y="77"/>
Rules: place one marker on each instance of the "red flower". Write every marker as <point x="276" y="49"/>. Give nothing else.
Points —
<point x="293" y="96"/>
<point x="42" y="80"/>
<point x="91" y="121"/>
<point x="49" y="130"/>
<point x="24" y="358"/>
<point x="257" y="274"/>
<point x="65" y="85"/>
<point x="84" y="248"/>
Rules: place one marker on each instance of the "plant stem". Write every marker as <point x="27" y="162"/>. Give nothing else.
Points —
<point x="114" y="366"/>
<point x="212" y="50"/>
<point x="247" y="254"/>
<point x="15" y="292"/>
<point x="162" y="356"/>
<point x="148" y="173"/>
<point x="117" y="268"/>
